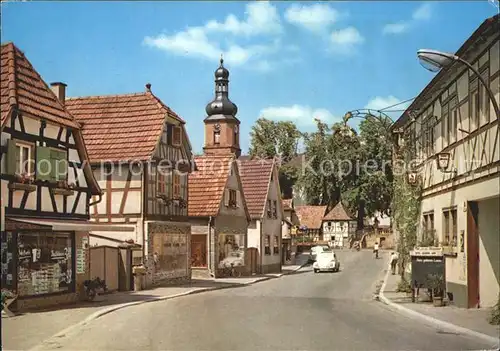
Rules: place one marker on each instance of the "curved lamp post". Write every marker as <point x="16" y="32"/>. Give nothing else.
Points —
<point x="435" y="60"/>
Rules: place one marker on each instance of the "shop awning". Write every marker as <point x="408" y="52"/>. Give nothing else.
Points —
<point x="62" y="225"/>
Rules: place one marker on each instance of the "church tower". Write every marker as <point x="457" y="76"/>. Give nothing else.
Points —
<point x="222" y="128"/>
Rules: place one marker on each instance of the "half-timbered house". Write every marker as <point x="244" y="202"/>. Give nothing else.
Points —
<point x="455" y="134"/>
<point x="141" y="156"/>
<point x="338" y="226"/>
<point x="262" y="192"/>
<point x="219" y="216"/>
<point x="47" y="187"/>
<point x="310" y="230"/>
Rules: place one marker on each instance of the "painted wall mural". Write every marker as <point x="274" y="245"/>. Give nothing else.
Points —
<point x="231" y="250"/>
<point x="170" y="255"/>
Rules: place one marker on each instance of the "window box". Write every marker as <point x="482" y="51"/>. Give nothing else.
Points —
<point x="168" y="201"/>
<point x="63" y="191"/>
<point x="23" y="186"/>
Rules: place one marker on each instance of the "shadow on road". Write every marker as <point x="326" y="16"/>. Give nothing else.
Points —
<point x="121" y="297"/>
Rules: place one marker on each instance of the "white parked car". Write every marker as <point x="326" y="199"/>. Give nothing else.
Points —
<point x="326" y="261"/>
<point x="315" y="250"/>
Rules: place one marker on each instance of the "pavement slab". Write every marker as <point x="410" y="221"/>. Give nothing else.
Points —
<point x="473" y="319"/>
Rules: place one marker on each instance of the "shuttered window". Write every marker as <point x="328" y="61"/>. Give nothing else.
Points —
<point x="19" y="158"/>
<point x="176" y="185"/>
<point x="176" y="136"/>
<point x="52" y="164"/>
<point x="161" y="182"/>
<point x="59" y="165"/>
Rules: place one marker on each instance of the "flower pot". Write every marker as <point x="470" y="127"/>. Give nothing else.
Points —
<point x="437" y="301"/>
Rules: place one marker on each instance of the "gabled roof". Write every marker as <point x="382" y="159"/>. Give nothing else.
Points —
<point x="24" y="89"/>
<point x="256" y="179"/>
<point x="310" y="216"/>
<point x="121" y="127"/>
<point x="338" y="213"/>
<point x="206" y="185"/>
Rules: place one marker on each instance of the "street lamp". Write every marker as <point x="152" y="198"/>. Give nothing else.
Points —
<point x="435" y="60"/>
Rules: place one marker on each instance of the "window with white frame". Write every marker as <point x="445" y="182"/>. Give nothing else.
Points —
<point x="450" y="227"/>
<point x="24" y="158"/>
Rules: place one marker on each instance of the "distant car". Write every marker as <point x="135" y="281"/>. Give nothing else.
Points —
<point x="326" y="262"/>
<point x="315" y="250"/>
<point x="235" y="258"/>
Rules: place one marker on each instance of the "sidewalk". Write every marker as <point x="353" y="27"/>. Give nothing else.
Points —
<point x="29" y="329"/>
<point x="473" y="319"/>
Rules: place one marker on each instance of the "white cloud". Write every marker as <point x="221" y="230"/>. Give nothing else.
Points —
<point x="381" y="103"/>
<point x="395" y="28"/>
<point x="315" y="17"/>
<point x="423" y="12"/>
<point x="199" y="42"/>
<point x="344" y="41"/>
<point x="261" y="18"/>
<point x="347" y="36"/>
<point x="300" y="114"/>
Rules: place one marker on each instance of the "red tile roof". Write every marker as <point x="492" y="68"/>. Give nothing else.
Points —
<point x="287" y="204"/>
<point x="206" y="185"/>
<point x="256" y="177"/>
<point x="22" y="86"/>
<point x="310" y="216"/>
<point x="121" y="127"/>
<point x="338" y="213"/>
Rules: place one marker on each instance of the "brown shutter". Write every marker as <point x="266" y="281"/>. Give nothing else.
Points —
<point x="238" y="198"/>
<point x="226" y="197"/>
<point x="11" y="157"/>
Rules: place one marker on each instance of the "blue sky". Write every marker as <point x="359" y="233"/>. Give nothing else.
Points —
<point x="288" y="60"/>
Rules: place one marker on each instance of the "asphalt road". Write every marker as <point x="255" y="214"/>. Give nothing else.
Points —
<point x="302" y="311"/>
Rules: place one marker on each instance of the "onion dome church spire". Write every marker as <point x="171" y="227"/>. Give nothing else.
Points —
<point x="221" y="107"/>
<point x="222" y="132"/>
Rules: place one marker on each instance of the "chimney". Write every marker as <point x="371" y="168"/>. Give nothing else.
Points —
<point x="59" y="89"/>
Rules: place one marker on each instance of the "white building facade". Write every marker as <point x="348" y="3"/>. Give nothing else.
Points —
<point x="460" y="204"/>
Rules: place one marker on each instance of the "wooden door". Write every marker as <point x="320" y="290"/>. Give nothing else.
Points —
<point x="472" y="255"/>
<point x="252" y="257"/>
<point x="198" y="250"/>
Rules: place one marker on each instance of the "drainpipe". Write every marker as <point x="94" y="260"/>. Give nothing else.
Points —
<point x="210" y="271"/>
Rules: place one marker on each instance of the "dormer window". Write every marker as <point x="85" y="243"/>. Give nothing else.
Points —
<point x="176" y="136"/>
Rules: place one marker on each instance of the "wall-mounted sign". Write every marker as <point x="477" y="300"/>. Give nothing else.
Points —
<point x="80" y="261"/>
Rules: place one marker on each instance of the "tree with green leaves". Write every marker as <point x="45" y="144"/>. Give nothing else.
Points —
<point x="279" y="139"/>
<point x="376" y="176"/>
